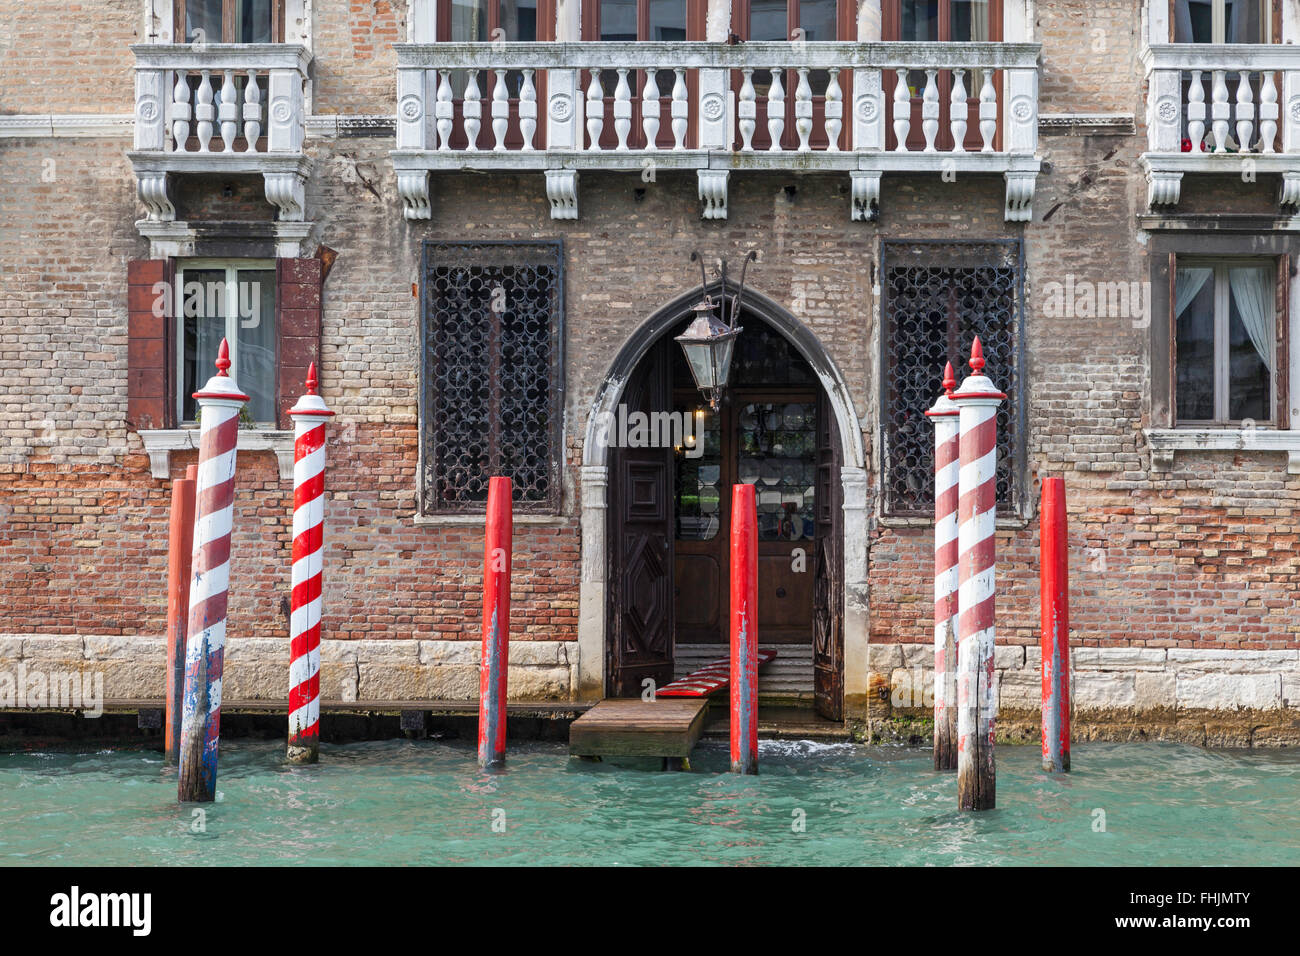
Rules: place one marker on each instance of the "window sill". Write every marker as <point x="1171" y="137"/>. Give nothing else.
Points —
<point x="1166" y="442"/>
<point x="159" y="443"/>
<point x="480" y="520"/>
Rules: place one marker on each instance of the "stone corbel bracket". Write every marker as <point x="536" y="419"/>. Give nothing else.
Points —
<point x="865" y="199"/>
<point x="713" y="192"/>
<point x="284" y="176"/>
<point x="1165" y="443"/>
<point x="562" y="193"/>
<point x="413" y="187"/>
<point x="160" y="443"/>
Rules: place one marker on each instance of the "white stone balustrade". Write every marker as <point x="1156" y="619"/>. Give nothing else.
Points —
<point x="234" y="108"/>
<point x="1222" y="109"/>
<point x="607" y="106"/>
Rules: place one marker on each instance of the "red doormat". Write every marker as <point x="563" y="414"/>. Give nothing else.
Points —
<point x="706" y="680"/>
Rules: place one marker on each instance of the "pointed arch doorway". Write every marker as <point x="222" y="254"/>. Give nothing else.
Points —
<point x="780" y="427"/>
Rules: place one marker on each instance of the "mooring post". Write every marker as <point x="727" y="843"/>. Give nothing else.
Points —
<point x="978" y="401"/>
<point x="180" y="541"/>
<point x="744" y="630"/>
<point x="307" y="598"/>
<point x="947" y="471"/>
<point x="1054" y="584"/>
<point x="219" y="403"/>
<point x="496" y="625"/>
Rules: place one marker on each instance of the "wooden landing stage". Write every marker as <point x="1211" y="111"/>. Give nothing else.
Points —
<point x="667" y="727"/>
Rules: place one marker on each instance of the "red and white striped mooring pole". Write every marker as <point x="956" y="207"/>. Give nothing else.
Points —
<point x="1054" y="584"/>
<point x="493" y="667"/>
<point x="978" y="401"/>
<point x="947" y="470"/>
<point x="744" y="630"/>
<point x="219" y="402"/>
<point x="306" y="600"/>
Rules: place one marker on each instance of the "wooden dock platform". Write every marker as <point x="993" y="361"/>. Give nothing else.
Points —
<point x="667" y="727"/>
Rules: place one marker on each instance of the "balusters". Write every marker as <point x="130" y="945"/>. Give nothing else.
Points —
<point x="500" y="112"/>
<point x="960" y="111"/>
<point x="528" y="110"/>
<point x="595" y="110"/>
<point x="834" y="111"/>
<point x="472" y="110"/>
<point x="803" y="109"/>
<point x="902" y="112"/>
<point x="1268" y="112"/>
<point x="747" y="110"/>
<point x="205" y="111"/>
<point x="775" y="111"/>
<point x="181" y="111"/>
<point x="930" y="109"/>
<point x="680" y="108"/>
<point x="988" y="112"/>
<point x="444" y="110"/>
<point x="252" y="113"/>
<point x="1196" y="113"/>
<point x="622" y="109"/>
<point x="650" y="109"/>
<point x="1245" y="113"/>
<point x="1219" y="111"/>
<point x="228" y="110"/>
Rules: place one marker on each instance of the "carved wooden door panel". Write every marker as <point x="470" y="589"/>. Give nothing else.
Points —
<point x="640" y="520"/>
<point x="828" y="571"/>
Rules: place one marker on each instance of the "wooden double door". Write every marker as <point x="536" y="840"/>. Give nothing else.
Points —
<point x="670" y="528"/>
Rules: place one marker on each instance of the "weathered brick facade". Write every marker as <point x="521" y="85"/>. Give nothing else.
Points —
<point x="1165" y="564"/>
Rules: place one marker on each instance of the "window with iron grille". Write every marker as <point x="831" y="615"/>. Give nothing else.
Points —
<point x="492" y="394"/>
<point x="937" y="297"/>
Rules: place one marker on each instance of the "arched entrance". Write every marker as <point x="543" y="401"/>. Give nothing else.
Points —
<point x="660" y="503"/>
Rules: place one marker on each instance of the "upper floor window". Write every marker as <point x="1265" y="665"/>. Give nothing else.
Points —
<point x="941" y="20"/>
<point x="628" y="20"/>
<point x="231" y="21"/>
<point x="1224" y="21"/>
<point x="234" y="300"/>
<point x="478" y="21"/>
<point x="1225" y="340"/>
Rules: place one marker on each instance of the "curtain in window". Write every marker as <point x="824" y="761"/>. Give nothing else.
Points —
<point x="979" y="21"/>
<point x="1253" y="292"/>
<point x="1187" y="285"/>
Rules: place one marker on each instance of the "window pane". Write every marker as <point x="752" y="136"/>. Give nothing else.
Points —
<point x="203" y="21"/>
<point x="1245" y="21"/>
<point x="1194" y="21"/>
<point x="618" y="20"/>
<point x="469" y="21"/>
<point x="519" y="19"/>
<point x="768" y="20"/>
<point x="817" y="20"/>
<point x="698" y="484"/>
<point x="203" y="324"/>
<point x="253" y="21"/>
<point x="1194" y="381"/>
<point x="920" y="20"/>
<point x="668" y="20"/>
<point x="257" y="342"/>
<point x="970" y="20"/>
<point x="1251" y="353"/>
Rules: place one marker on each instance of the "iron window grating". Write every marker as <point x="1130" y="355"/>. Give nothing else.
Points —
<point x="492" y="361"/>
<point x="937" y="295"/>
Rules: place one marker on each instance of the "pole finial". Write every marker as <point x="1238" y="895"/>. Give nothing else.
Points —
<point x="949" y="380"/>
<point x="223" y="357"/>
<point x="977" y="356"/>
<point x="311" y="379"/>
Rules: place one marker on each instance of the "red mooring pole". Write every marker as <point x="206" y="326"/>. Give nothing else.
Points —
<point x="978" y="400"/>
<point x="496" y="626"/>
<point x="947" y="470"/>
<point x="744" y="630"/>
<point x="180" y="538"/>
<point x="1054" y="571"/>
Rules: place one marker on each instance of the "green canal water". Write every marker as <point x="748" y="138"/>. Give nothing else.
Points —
<point x="425" y="802"/>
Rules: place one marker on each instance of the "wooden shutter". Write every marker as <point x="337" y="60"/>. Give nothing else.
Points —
<point x="298" y="329"/>
<point x="149" y="400"/>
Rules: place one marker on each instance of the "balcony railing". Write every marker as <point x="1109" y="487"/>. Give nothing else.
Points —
<point x="715" y="108"/>
<point x="1223" y="108"/>
<point x="234" y="108"/>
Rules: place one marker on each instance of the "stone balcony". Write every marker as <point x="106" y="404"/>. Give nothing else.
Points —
<point x="1222" y="109"/>
<point x="221" y="108"/>
<point x="861" y="109"/>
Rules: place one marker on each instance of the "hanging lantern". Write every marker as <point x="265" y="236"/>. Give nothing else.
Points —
<point x="709" y="342"/>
